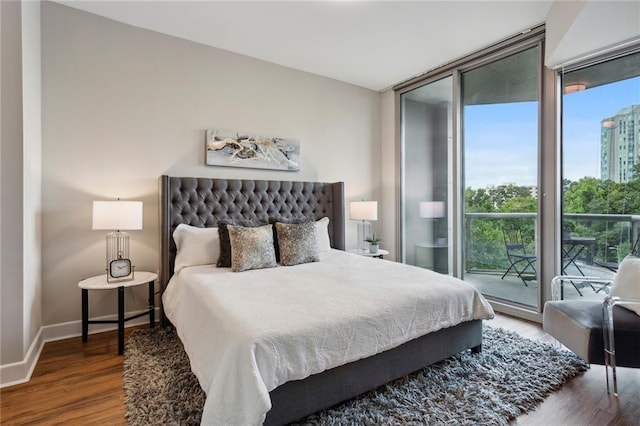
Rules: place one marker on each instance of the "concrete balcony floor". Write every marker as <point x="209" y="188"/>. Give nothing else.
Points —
<point x="512" y="289"/>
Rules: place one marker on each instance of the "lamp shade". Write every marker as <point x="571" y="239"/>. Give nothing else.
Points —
<point x="117" y="215"/>
<point x="363" y="210"/>
<point x="431" y="209"/>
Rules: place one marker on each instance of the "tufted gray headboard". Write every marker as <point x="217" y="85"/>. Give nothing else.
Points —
<point x="203" y="202"/>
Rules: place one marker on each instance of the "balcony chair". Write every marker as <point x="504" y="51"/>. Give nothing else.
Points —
<point x="613" y="266"/>
<point x="600" y="332"/>
<point x="521" y="262"/>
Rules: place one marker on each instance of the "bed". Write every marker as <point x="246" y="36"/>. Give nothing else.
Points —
<point x="331" y="376"/>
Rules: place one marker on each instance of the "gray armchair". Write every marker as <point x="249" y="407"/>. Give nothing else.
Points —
<point x="600" y="332"/>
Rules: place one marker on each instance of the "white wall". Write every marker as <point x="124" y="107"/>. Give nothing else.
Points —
<point x="32" y="170"/>
<point x="122" y="106"/>
<point x="20" y="252"/>
<point x="11" y="225"/>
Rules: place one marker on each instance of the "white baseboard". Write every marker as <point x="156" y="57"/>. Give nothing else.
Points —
<point x="67" y="330"/>
<point x="20" y="372"/>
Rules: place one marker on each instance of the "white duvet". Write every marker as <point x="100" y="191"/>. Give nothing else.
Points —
<point x="247" y="333"/>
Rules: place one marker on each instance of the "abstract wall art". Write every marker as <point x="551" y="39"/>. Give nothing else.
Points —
<point x="233" y="149"/>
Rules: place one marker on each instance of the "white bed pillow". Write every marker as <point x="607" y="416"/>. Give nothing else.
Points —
<point x="626" y="283"/>
<point x="196" y="246"/>
<point x="322" y="235"/>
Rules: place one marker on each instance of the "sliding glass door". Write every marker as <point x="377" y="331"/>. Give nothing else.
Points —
<point x="500" y="140"/>
<point x="426" y="153"/>
<point x="470" y="170"/>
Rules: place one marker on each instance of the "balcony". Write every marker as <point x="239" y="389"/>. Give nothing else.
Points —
<point x="593" y="245"/>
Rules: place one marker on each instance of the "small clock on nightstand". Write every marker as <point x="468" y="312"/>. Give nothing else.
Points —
<point x="120" y="269"/>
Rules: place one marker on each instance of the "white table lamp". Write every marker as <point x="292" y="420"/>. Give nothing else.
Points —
<point x="118" y="216"/>
<point x="363" y="211"/>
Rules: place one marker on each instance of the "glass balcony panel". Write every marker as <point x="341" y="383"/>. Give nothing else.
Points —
<point x="488" y="262"/>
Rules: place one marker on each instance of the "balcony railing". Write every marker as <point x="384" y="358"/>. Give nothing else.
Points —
<point x="614" y="236"/>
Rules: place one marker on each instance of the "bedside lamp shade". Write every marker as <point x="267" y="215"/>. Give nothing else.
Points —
<point x="118" y="216"/>
<point x="363" y="210"/>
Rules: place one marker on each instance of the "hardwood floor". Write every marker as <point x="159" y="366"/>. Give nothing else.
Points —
<point x="73" y="383"/>
<point x="76" y="383"/>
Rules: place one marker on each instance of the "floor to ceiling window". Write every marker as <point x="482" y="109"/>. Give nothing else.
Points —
<point x="600" y="168"/>
<point x="427" y="141"/>
<point x="500" y="141"/>
<point x="482" y="141"/>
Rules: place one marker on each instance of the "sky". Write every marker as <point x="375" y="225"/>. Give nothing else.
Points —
<point x="500" y="140"/>
<point x="582" y="114"/>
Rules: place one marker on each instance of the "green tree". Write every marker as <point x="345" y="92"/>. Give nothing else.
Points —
<point x="520" y="205"/>
<point x="478" y="201"/>
<point x="579" y="197"/>
<point x="504" y="193"/>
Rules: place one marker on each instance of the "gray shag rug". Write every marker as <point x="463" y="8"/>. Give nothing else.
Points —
<point x="510" y="377"/>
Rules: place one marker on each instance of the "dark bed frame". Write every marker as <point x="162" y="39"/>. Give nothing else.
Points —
<point x="204" y="202"/>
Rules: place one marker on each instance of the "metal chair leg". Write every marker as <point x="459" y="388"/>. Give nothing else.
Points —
<point x="609" y="343"/>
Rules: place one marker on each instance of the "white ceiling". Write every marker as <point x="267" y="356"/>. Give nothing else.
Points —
<point x="373" y="44"/>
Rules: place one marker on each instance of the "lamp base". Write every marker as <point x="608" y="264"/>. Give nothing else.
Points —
<point x="117" y="246"/>
<point x="364" y="230"/>
<point x="118" y="249"/>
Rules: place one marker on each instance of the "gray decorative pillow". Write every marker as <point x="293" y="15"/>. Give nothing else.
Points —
<point x="297" y="243"/>
<point x="224" y="260"/>
<point x="251" y="248"/>
<point x="273" y="221"/>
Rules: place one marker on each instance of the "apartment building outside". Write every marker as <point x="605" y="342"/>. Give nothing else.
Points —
<point x="620" y="144"/>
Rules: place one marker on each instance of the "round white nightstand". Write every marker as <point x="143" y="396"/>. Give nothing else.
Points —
<point x="99" y="282"/>
<point x="379" y="254"/>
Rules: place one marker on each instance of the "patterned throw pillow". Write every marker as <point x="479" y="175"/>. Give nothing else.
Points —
<point x="251" y="248"/>
<point x="297" y="243"/>
<point x="273" y="221"/>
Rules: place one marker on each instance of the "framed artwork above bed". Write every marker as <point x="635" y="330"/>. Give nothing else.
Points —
<point x="234" y="149"/>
